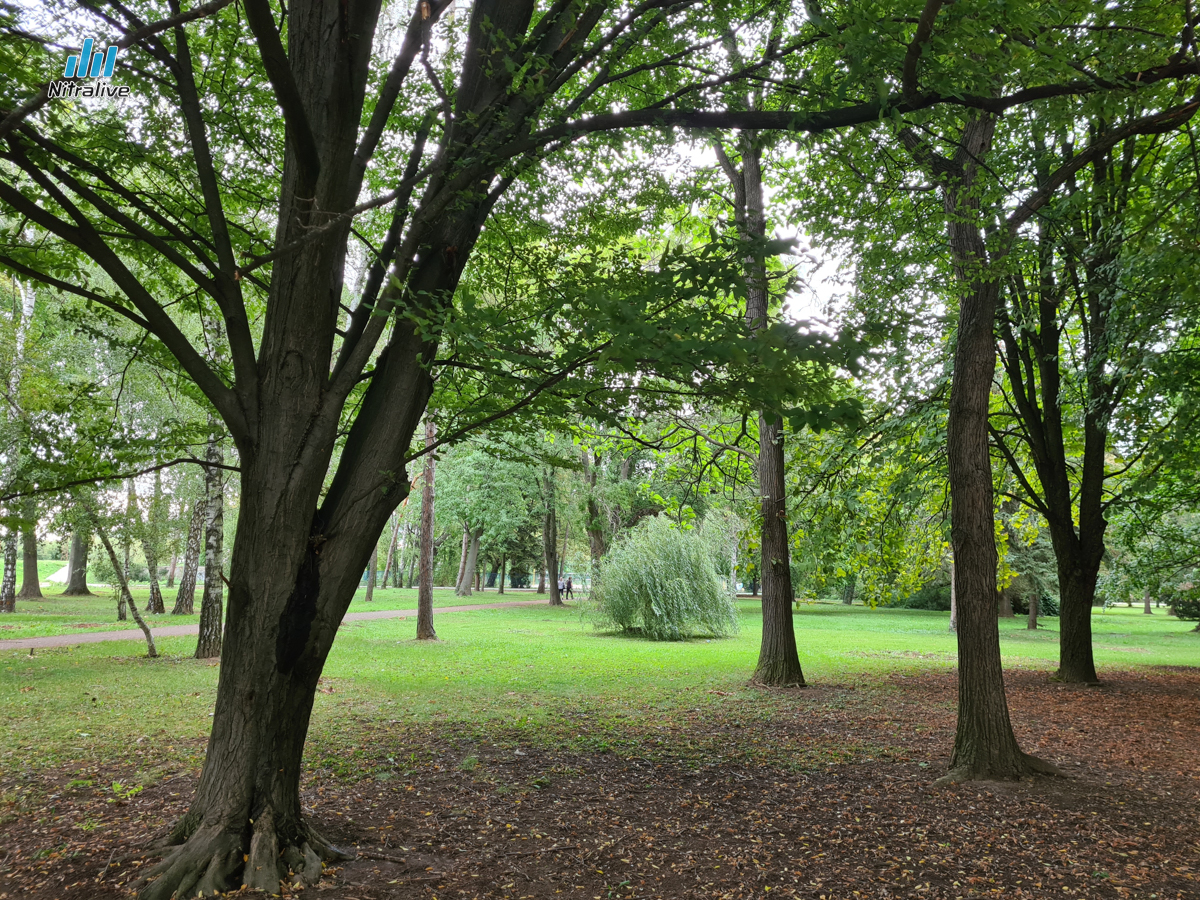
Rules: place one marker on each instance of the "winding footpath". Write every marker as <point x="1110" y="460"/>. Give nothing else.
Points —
<point x="132" y="634"/>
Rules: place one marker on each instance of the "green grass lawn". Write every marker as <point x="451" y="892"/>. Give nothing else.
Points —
<point x="55" y="614"/>
<point x="542" y="673"/>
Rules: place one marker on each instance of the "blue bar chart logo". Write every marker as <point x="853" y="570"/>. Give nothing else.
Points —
<point x="87" y="64"/>
<point x="91" y="62"/>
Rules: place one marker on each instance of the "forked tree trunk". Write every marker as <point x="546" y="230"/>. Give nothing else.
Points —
<point x="8" y="584"/>
<point x="425" y="631"/>
<point x="31" y="587"/>
<point x="469" y="574"/>
<point x="208" y="645"/>
<point x="77" y="563"/>
<point x="185" y="597"/>
<point x="1031" y="623"/>
<point x="462" y="560"/>
<point x="371" y="567"/>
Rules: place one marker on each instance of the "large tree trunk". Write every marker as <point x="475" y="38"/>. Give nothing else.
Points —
<point x="77" y="563"/>
<point x="778" y="658"/>
<point x="8" y="584"/>
<point x="597" y="543"/>
<point x="172" y="569"/>
<point x="208" y="645"/>
<point x="185" y="597"/>
<point x="469" y="574"/>
<point x="425" y="630"/>
<point x="953" y="599"/>
<point x="1076" y="591"/>
<point x="31" y="587"/>
<point x="1004" y="607"/>
<point x="984" y="744"/>
<point x="1031" y="623"/>
<point x="1146" y="603"/>
<point x="541" y="585"/>
<point x="503" y="571"/>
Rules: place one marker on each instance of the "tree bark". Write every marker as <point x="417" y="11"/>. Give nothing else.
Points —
<point x="124" y="592"/>
<point x="208" y="646"/>
<point x="597" y="542"/>
<point x="8" y="584"/>
<point x="425" y="631"/>
<point x="1004" y="607"/>
<point x="77" y="563"/>
<point x="1031" y="624"/>
<point x="1077" y="590"/>
<point x="371" y="567"/>
<point x="1146" y="603"/>
<point x="172" y="568"/>
<point x="503" y="572"/>
<point x="31" y="587"/>
<point x="848" y="590"/>
<point x="185" y="597"/>
<point x="541" y="586"/>
<point x="953" y="599"/>
<point x="390" y="560"/>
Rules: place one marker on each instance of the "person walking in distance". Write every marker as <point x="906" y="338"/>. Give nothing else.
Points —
<point x="569" y="592"/>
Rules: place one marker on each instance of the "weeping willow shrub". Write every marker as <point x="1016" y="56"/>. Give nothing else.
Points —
<point x="660" y="581"/>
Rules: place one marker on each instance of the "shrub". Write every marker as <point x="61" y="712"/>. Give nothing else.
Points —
<point x="932" y="597"/>
<point x="659" y="581"/>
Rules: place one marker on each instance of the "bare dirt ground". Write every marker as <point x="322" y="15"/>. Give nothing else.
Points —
<point x="828" y="797"/>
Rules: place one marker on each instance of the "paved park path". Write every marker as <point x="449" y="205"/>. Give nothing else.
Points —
<point x="133" y="634"/>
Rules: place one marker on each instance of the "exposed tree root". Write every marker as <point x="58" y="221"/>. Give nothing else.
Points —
<point x="213" y="858"/>
<point x="1025" y="766"/>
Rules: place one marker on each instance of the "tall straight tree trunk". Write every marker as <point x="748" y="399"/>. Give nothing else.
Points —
<point x="1004" y="607"/>
<point x="124" y="592"/>
<point x="171" y="569"/>
<point x="185" y="597"/>
<point x="77" y="563"/>
<point x="595" y="521"/>
<point x="541" y="586"/>
<point x="550" y="538"/>
<point x="984" y="744"/>
<point x="562" y="558"/>
<point x="389" y="562"/>
<point x="150" y="538"/>
<point x="503" y="570"/>
<point x="425" y="631"/>
<point x="8" y="584"/>
<point x="1146" y="603"/>
<point x="371" y="568"/>
<point x="208" y="645"/>
<point x="1031" y="623"/>
<point x="1077" y="590"/>
<point x="778" y="658"/>
<point x="469" y="574"/>
<point x="31" y="587"/>
<point x="412" y="562"/>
